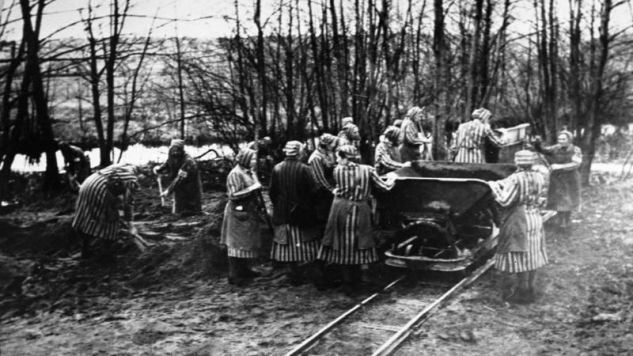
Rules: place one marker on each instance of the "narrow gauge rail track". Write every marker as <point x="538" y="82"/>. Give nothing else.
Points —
<point x="382" y="327"/>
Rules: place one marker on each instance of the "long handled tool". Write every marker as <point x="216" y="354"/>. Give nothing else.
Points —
<point x="160" y="190"/>
<point x="137" y="239"/>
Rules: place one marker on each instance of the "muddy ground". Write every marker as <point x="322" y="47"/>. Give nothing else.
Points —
<point x="174" y="298"/>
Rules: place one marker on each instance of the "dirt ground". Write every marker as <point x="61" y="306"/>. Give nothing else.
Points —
<point x="174" y="299"/>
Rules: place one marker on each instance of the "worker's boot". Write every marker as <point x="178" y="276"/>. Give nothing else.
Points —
<point x="327" y="276"/>
<point x="85" y="245"/>
<point x="563" y="222"/>
<point x="235" y="277"/>
<point x="521" y="294"/>
<point x="508" y="285"/>
<point x="349" y="280"/>
<point x="533" y="292"/>
<point x="295" y="276"/>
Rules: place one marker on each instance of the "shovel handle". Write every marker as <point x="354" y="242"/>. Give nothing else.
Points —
<point x="160" y="191"/>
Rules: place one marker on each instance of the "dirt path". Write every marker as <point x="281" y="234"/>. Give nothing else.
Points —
<point x="103" y="310"/>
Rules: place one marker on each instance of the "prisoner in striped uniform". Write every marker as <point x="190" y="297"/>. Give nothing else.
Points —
<point x="321" y="164"/>
<point x="349" y="134"/>
<point x="521" y="248"/>
<point x="469" y="141"/>
<point x="348" y="238"/>
<point x="185" y="176"/>
<point x="296" y="238"/>
<point x="411" y="137"/>
<point x="240" y="227"/>
<point x="564" y="190"/>
<point x="104" y="204"/>
<point x="387" y="157"/>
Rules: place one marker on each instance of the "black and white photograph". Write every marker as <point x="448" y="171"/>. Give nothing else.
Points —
<point x="316" y="177"/>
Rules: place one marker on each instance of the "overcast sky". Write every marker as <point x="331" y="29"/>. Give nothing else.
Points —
<point x="198" y="18"/>
<point x="208" y="18"/>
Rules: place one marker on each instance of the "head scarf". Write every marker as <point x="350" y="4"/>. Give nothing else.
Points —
<point x="347" y="120"/>
<point x="350" y="152"/>
<point x="482" y="114"/>
<point x="392" y="133"/>
<point x="569" y="135"/>
<point x="326" y="139"/>
<point x="292" y="148"/>
<point x="414" y="113"/>
<point x="177" y="143"/>
<point x="244" y="157"/>
<point x="524" y="158"/>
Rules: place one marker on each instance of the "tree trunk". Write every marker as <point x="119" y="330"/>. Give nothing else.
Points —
<point x="51" y="176"/>
<point x="261" y="71"/>
<point x="440" y="151"/>
<point x="595" y="119"/>
<point x="471" y="79"/>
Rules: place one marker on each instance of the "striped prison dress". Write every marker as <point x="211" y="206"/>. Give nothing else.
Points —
<point x="320" y="163"/>
<point x="387" y="158"/>
<point x="524" y="187"/>
<point x="348" y="238"/>
<point x="411" y="141"/>
<point x="240" y="227"/>
<point x="97" y="211"/>
<point x="295" y="249"/>
<point x="469" y="141"/>
<point x="290" y="187"/>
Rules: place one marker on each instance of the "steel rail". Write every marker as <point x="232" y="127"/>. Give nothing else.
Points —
<point x="309" y="341"/>
<point x="399" y="337"/>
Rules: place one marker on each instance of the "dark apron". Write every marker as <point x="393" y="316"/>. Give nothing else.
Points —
<point x="513" y="231"/>
<point x="240" y="227"/>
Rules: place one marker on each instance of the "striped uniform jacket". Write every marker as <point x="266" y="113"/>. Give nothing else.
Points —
<point x="97" y="210"/>
<point x="290" y="186"/>
<point x="348" y="236"/>
<point x="410" y="133"/>
<point x="526" y="188"/>
<point x="319" y="163"/>
<point x="387" y="158"/>
<point x="469" y="141"/>
<point x="353" y="181"/>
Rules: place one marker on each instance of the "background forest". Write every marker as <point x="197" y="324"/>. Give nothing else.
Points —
<point x="294" y="68"/>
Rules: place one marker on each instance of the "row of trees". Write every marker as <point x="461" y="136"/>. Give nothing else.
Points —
<point x="313" y="62"/>
<point x="373" y="59"/>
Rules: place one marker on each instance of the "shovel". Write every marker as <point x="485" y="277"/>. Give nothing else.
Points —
<point x="160" y="191"/>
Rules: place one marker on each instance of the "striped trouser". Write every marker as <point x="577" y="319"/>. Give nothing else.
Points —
<point x="295" y="250"/>
<point x="536" y="255"/>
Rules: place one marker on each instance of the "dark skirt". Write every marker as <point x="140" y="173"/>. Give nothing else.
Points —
<point x="564" y="191"/>
<point x="187" y="196"/>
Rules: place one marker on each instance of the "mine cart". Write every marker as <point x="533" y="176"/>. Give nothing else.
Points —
<point x="440" y="215"/>
<point x="513" y="141"/>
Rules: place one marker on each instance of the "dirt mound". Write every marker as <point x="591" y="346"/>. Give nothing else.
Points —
<point x="48" y="237"/>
